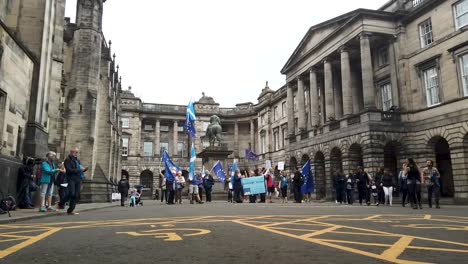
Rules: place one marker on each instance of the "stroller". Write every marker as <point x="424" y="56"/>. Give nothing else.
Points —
<point x="135" y="197"/>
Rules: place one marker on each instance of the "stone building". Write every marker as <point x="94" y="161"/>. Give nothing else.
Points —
<point x="59" y="89"/>
<point x="370" y="87"/>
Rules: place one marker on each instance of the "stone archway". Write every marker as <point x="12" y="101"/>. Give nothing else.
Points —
<point x="146" y="183"/>
<point x="392" y="154"/>
<point x="304" y="159"/>
<point x="320" y="179"/>
<point x="443" y="162"/>
<point x="355" y="157"/>
<point x="336" y="165"/>
<point x="292" y="164"/>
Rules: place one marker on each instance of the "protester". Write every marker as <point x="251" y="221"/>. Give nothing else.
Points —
<point x="170" y="187"/>
<point x="237" y="185"/>
<point x="162" y="186"/>
<point x="413" y="177"/>
<point x="387" y="185"/>
<point x="180" y="185"/>
<point x="350" y="181"/>
<point x="208" y="182"/>
<point x="270" y="184"/>
<point x="252" y="197"/>
<point x="402" y="182"/>
<point x="200" y="186"/>
<point x="284" y="184"/>
<point x="262" y="195"/>
<point x="123" y="188"/>
<point x="228" y="188"/>
<point x="25" y="184"/>
<point x="49" y="169"/>
<point x="431" y="177"/>
<point x="74" y="174"/>
<point x="298" y="181"/>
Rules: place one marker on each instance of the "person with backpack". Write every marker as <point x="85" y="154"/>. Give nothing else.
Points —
<point x="49" y="169"/>
<point x="123" y="188"/>
<point x="74" y="174"/>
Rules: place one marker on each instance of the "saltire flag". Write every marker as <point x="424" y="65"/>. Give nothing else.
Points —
<point x="193" y="157"/>
<point x="250" y="155"/>
<point x="189" y="125"/>
<point x="203" y="172"/>
<point x="308" y="186"/>
<point x="168" y="165"/>
<point x="234" y="168"/>
<point x="219" y="171"/>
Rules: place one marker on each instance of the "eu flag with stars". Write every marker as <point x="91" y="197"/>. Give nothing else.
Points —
<point x="250" y="155"/>
<point x="190" y="118"/>
<point x="219" y="171"/>
<point x="308" y="186"/>
<point x="168" y="165"/>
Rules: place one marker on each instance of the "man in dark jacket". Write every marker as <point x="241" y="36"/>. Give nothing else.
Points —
<point x="123" y="188"/>
<point x="378" y="182"/>
<point x="73" y="173"/>
<point x="208" y="182"/>
<point x="363" y="184"/>
<point x="298" y="180"/>
<point x="23" y="184"/>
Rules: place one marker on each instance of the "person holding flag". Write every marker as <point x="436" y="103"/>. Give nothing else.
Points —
<point x="170" y="170"/>
<point x="208" y="182"/>
<point x="193" y="183"/>
<point x="308" y="187"/>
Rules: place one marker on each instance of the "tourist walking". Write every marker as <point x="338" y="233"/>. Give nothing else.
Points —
<point x="74" y="174"/>
<point x="363" y="184"/>
<point x="431" y="177"/>
<point x="413" y="177"/>
<point x="403" y="184"/>
<point x="208" y="182"/>
<point x="387" y="185"/>
<point x="123" y="188"/>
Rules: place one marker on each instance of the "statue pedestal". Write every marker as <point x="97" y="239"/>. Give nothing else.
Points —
<point x="210" y="156"/>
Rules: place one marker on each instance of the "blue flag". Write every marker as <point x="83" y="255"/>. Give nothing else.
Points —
<point x="190" y="118"/>
<point x="219" y="171"/>
<point x="193" y="157"/>
<point x="168" y="165"/>
<point x="250" y="155"/>
<point x="308" y="186"/>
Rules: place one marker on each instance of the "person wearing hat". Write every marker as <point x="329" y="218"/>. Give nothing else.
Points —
<point x="49" y="169"/>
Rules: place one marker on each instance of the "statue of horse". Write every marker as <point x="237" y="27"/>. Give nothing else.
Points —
<point x="213" y="131"/>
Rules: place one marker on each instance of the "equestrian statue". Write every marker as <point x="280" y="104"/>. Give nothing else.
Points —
<point x="213" y="131"/>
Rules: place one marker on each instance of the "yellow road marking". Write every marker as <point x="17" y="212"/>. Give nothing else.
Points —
<point x="427" y="217"/>
<point x="396" y="249"/>
<point x="320" y="232"/>
<point x="13" y="239"/>
<point x="15" y="248"/>
<point x="372" y="217"/>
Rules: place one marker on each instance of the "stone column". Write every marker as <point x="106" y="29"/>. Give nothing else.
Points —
<point x="355" y="89"/>
<point x="175" y="138"/>
<point x="290" y="104"/>
<point x="252" y="135"/>
<point x="236" y="139"/>
<point x="302" y="122"/>
<point x="392" y="56"/>
<point x="329" y="98"/>
<point x="367" y="72"/>
<point x="157" y="138"/>
<point x="346" y="82"/>
<point x="337" y="94"/>
<point x="314" y="103"/>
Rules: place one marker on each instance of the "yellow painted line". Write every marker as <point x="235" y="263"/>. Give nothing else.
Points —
<point x="372" y="217"/>
<point x="438" y="249"/>
<point x="26" y="243"/>
<point x="398" y="248"/>
<point x="13" y="239"/>
<point x="427" y="217"/>
<point x="295" y="229"/>
<point x="14" y="236"/>
<point x="356" y="243"/>
<point x="323" y="243"/>
<point x="296" y="221"/>
<point x="364" y="234"/>
<point x="320" y="232"/>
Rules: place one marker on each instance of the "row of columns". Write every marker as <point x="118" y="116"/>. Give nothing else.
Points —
<point x="338" y="102"/>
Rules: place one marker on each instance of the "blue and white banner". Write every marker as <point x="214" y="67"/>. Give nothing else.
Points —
<point x="253" y="185"/>
<point x="193" y="157"/>
<point x="190" y="118"/>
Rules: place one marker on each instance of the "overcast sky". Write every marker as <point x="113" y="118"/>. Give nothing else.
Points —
<point x="170" y="51"/>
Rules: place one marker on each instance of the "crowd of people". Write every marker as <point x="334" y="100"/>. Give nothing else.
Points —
<point x="50" y="174"/>
<point x="377" y="190"/>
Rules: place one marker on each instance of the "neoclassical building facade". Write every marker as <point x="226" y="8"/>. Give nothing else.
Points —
<point x="370" y="88"/>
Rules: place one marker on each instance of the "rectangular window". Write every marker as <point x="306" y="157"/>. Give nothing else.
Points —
<point x="180" y="149"/>
<point x="125" y="147"/>
<point x="431" y="85"/>
<point x="284" y="110"/>
<point x="464" y="73"/>
<point x="164" y="128"/>
<point x="461" y="14"/>
<point x="283" y="136"/>
<point x="125" y="122"/>
<point x="263" y="143"/>
<point x="148" y="127"/>
<point x="180" y="128"/>
<point x="425" y="33"/>
<point x="148" y="149"/>
<point x="386" y="92"/>
<point x="383" y="56"/>
<point x="164" y="147"/>
<point x="275" y="113"/>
